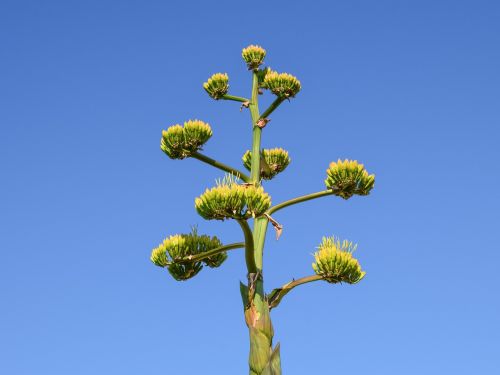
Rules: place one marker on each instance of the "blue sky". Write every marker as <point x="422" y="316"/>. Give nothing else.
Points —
<point x="411" y="89"/>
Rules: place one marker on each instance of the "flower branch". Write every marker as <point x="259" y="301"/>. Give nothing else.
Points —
<point x="220" y="165"/>
<point x="275" y="297"/>
<point x="301" y="199"/>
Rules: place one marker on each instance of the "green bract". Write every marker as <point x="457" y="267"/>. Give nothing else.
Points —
<point x="180" y="247"/>
<point x="283" y="85"/>
<point x="179" y="142"/>
<point x="335" y="263"/>
<point x="273" y="161"/>
<point x="253" y="56"/>
<point x="348" y="177"/>
<point x="232" y="201"/>
<point x="217" y="85"/>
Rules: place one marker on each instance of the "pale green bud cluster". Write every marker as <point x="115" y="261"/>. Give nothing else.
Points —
<point x="232" y="201"/>
<point x="179" y="142"/>
<point x="283" y="85"/>
<point x="253" y="56"/>
<point x="181" y="247"/>
<point x="334" y="262"/>
<point x="261" y="76"/>
<point x="217" y="85"/>
<point x="273" y="161"/>
<point x="348" y="177"/>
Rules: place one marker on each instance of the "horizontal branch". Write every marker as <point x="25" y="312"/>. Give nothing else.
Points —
<point x="301" y="199"/>
<point x="220" y="165"/>
<point x="207" y="254"/>
<point x="275" y="297"/>
<point x="235" y="98"/>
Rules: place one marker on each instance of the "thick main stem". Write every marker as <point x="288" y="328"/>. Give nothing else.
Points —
<point x="261" y="358"/>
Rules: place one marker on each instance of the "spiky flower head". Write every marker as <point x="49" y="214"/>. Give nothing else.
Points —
<point x="272" y="162"/>
<point x="217" y="85"/>
<point x="230" y="200"/>
<point x="283" y="85"/>
<point x="253" y="56"/>
<point x="349" y="177"/>
<point x="334" y="261"/>
<point x="182" y="246"/>
<point x="179" y="142"/>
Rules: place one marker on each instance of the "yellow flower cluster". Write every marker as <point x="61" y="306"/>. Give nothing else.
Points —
<point x="232" y="201"/>
<point x="273" y="161"/>
<point x="334" y="262"/>
<point x="181" y="246"/>
<point x="217" y="85"/>
<point x="179" y="142"/>
<point x="253" y="56"/>
<point x="283" y="85"/>
<point x="349" y="177"/>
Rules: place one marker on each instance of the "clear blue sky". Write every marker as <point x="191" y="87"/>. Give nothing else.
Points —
<point x="410" y="88"/>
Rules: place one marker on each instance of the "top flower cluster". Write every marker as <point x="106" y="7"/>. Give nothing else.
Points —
<point x="283" y="85"/>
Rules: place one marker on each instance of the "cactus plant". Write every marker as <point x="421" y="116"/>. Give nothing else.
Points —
<point x="242" y="198"/>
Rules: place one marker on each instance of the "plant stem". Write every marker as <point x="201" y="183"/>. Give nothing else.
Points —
<point x="249" y="246"/>
<point x="302" y="280"/>
<point x="257" y="316"/>
<point x="272" y="107"/>
<point x="277" y="295"/>
<point x="235" y="98"/>
<point x="220" y="165"/>
<point x="210" y="253"/>
<point x="301" y="199"/>
<point x="256" y="131"/>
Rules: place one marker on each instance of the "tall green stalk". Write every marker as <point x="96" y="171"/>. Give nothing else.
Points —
<point x="257" y="316"/>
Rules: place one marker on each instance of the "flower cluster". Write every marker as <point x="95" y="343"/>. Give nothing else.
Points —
<point x="217" y="85"/>
<point x="230" y="200"/>
<point x="348" y="177"/>
<point x="283" y="85"/>
<point x="334" y="262"/>
<point x="272" y="162"/>
<point x="180" y="247"/>
<point x="253" y="56"/>
<point x="179" y="142"/>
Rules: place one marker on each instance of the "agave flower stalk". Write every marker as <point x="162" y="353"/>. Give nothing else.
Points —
<point x="242" y="198"/>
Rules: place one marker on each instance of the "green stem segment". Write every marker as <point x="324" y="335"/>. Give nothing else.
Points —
<point x="256" y="131"/>
<point x="210" y="253"/>
<point x="235" y="98"/>
<point x="249" y="246"/>
<point x="277" y="295"/>
<point x="301" y="199"/>
<point x="272" y="107"/>
<point x="220" y="165"/>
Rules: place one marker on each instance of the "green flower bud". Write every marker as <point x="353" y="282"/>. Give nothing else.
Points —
<point x="159" y="256"/>
<point x="217" y="85"/>
<point x="334" y="262"/>
<point x="253" y="56"/>
<point x="348" y="177"/>
<point x="273" y="161"/>
<point x="182" y="246"/>
<point x="261" y="76"/>
<point x="179" y="142"/>
<point x="283" y="85"/>
<point x="229" y="200"/>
